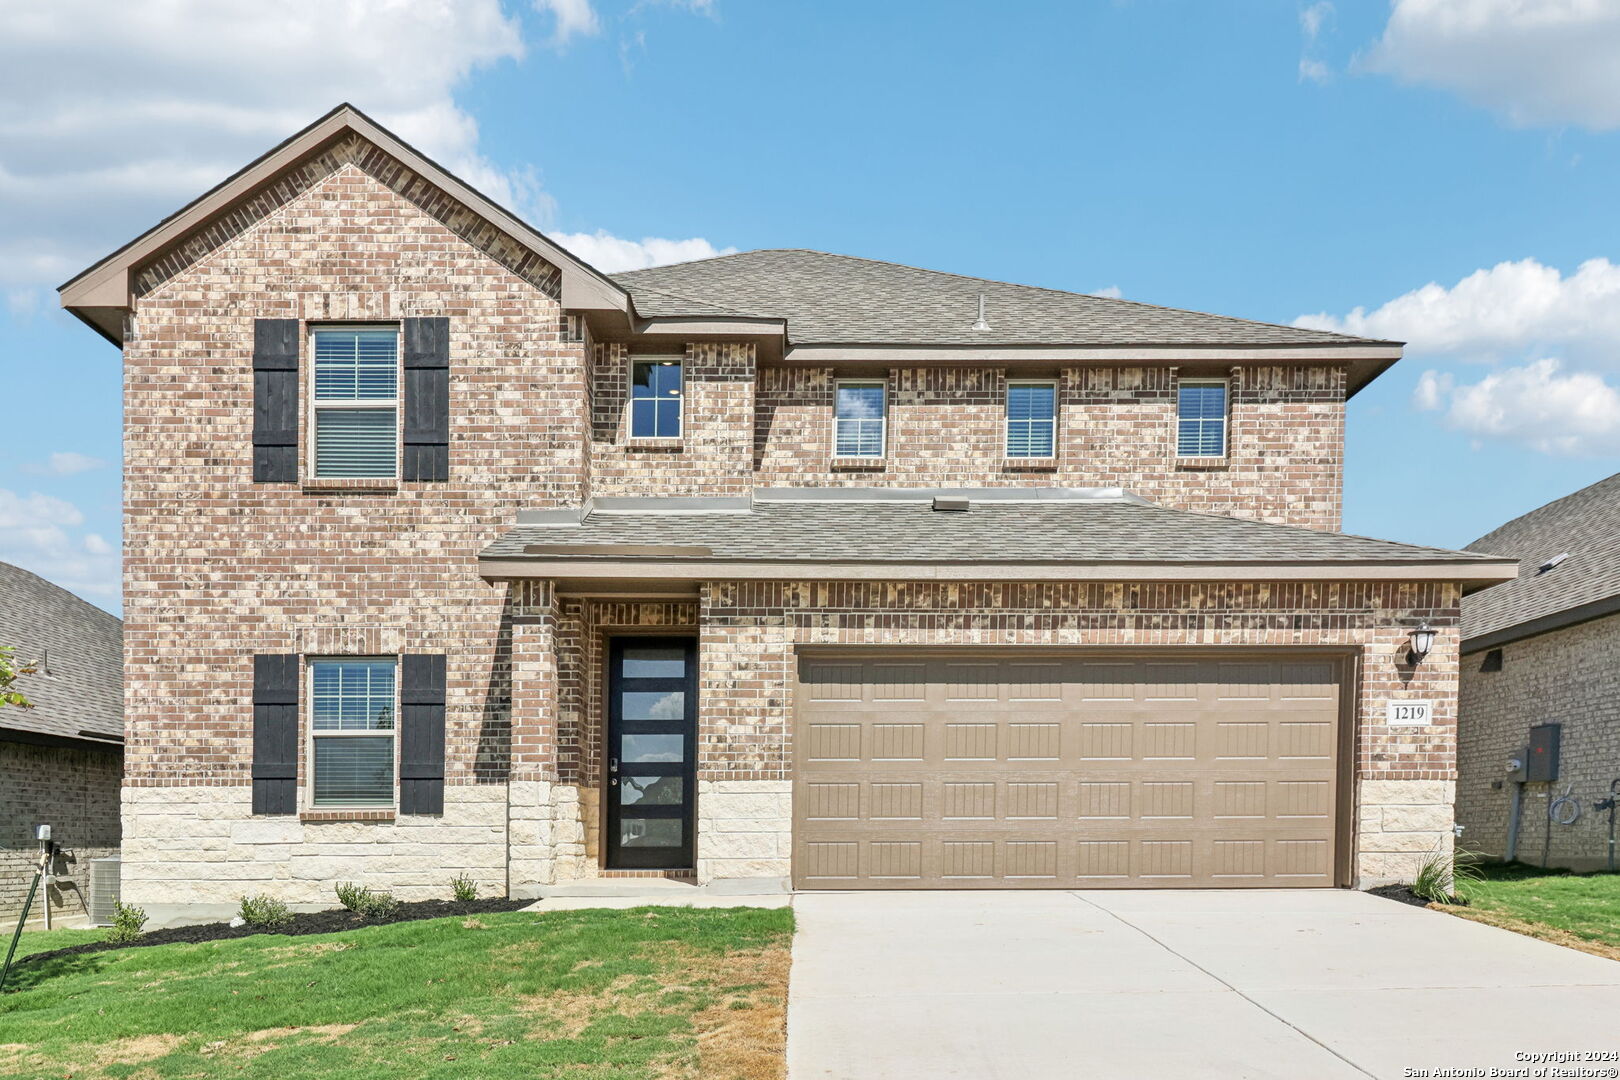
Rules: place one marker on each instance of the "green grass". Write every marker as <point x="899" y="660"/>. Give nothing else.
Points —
<point x="34" y="941"/>
<point x="595" y="995"/>
<point x="1585" y="905"/>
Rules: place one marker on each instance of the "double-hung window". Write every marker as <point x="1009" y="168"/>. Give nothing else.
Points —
<point x="352" y="710"/>
<point x="655" y="398"/>
<point x="1201" y="418"/>
<point x="1031" y="419"/>
<point x="356" y="403"/>
<point x="858" y="420"/>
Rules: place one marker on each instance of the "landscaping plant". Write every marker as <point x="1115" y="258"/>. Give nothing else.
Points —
<point x="464" y="888"/>
<point x="1441" y="874"/>
<point x="127" y="923"/>
<point x="265" y="911"/>
<point x="363" y="901"/>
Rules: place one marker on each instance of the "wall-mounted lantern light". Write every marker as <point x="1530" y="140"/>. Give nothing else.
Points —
<point x="1422" y="642"/>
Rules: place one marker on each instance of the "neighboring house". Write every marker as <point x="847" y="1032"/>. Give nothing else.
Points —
<point x="449" y="554"/>
<point x="60" y="761"/>
<point x="1545" y="649"/>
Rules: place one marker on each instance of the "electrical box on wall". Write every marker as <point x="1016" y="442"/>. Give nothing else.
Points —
<point x="1542" y="764"/>
<point x="1516" y="766"/>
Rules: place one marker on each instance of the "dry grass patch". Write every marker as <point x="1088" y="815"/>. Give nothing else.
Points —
<point x="1537" y="930"/>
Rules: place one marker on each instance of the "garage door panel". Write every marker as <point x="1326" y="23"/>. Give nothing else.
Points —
<point x="1076" y="771"/>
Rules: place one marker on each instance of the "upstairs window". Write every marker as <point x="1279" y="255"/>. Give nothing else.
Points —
<point x="356" y="403"/>
<point x="1201" y="418"/>
<point x="655" y="398"/>
<point x="352" y="731"/>
<point x="859" y="419"/>
<point x="1031" y="419"/>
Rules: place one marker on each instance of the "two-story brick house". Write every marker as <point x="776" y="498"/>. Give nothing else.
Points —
<point x="446" y="554"/>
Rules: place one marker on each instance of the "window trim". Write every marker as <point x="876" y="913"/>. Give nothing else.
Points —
<point x="883" y="420"/>
<point x="1007" y="421"/>
<point x="311" y="802"/>
<point x="1226" y="417"/>
<point x="314" y="405"/>
<point x="630" y="399"/>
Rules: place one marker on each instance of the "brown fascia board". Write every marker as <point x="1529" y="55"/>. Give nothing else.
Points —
<point x="1471" y="575"/>
<point x="101" y="295"/>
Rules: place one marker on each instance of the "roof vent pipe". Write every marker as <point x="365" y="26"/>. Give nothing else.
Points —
<point x="950" y="502"/>
<point x="1552" y="562"/>
<point x="981" y="324"/>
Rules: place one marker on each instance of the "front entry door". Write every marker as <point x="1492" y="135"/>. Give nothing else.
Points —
<point x="652" y="756"/>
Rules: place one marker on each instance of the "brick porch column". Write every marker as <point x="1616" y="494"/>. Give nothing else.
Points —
<point x="531" y="832"/>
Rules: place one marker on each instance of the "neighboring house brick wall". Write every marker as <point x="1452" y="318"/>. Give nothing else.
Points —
<point x="1571" y="677"/>
<point x="73" y="791"/>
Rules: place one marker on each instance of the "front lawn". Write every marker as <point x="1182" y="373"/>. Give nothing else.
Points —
<point x="1582" y="910"/>
<point x="591" y="994"/>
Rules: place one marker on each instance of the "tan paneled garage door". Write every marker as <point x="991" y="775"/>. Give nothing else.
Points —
<point x="1012" y="770"/>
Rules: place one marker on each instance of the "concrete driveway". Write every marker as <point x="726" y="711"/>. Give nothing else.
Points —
<point x="1318" y="984"/>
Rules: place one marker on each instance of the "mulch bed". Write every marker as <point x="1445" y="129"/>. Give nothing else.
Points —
<point x="1405" y="895"/>
<point x="314" y="922"/>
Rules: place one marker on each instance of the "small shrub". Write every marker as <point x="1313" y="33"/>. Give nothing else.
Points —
<point x="127" y="923"/>
<point x="1441" y="877"/>
<point x="363" y="901"/>
<point x="464" y="887"/>
<point x="265" y="911"/>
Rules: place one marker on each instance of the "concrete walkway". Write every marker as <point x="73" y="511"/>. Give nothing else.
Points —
<point x="1040" y="984"/>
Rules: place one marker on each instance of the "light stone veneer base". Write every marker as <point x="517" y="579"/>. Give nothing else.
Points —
<point x="1399" y="824"/>
<point x="745" y="829"/>
<point x="202" y="846"/>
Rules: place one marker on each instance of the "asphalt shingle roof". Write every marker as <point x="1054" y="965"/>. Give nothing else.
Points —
<point x="992" y="532"/>
<point x="1586" y="525"/>
<point x="80" y="686"/>
<point x="842" y="300"/>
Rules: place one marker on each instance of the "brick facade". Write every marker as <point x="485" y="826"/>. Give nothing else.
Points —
<point x="76" y="793"/>
<point x="1570" y="677"/>
<point x="220" y="568"/>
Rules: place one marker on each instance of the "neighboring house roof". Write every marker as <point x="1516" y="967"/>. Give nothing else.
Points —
<point x="1586" y="585"/>
<point x="78" y="693"/>
<point x="843" y="300"/>
<point x="1021" y="533"/>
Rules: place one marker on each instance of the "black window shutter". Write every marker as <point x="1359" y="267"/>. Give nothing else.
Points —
<point x="427" y="399"/>
<point x="275" y="734"/>
<point x="421" y="734"/>
<point x="275" y="401"/>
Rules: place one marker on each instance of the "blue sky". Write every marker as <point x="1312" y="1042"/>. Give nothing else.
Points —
<point x="1440" y="171"/>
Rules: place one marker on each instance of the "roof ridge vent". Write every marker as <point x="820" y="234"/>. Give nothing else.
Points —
<point x="955" y="503"/>
<point x="981" y="323"/>
<point x="1552" y="562"/>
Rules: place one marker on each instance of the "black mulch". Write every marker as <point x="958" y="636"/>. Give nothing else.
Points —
<point x="1405" y="895"/>
<point x="315" y="922"/>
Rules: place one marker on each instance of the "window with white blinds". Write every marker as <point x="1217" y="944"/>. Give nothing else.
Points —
<point x="1201" y="418"/>
<point x="858" y="419"/>
<point x="352" y="710"/>
<point x="356" y="403"/>
<point x="1031" y="419"/>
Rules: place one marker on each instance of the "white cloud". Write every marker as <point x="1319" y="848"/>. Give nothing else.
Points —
<point x="114" y="115"/>
<point x="64" y="463"/>
<point x="1112" y="292"/>
<point x="1533" y="62"/>
<point x="612" y="254"/>
<point x="574" y="18"/>
<point x="1313" y="71"/>
<point x="37" y="534"/>
<point x="1506" y="309"/>
<point x="1537" y="405"/>
<point x="1313" y="17"/>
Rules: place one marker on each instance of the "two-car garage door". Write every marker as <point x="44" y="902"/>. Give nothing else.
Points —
<point x="1021" y="770"/>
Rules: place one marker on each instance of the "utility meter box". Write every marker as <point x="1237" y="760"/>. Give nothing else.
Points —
<point x="1517" y="766"/>
<point x="1542" y="764"/>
